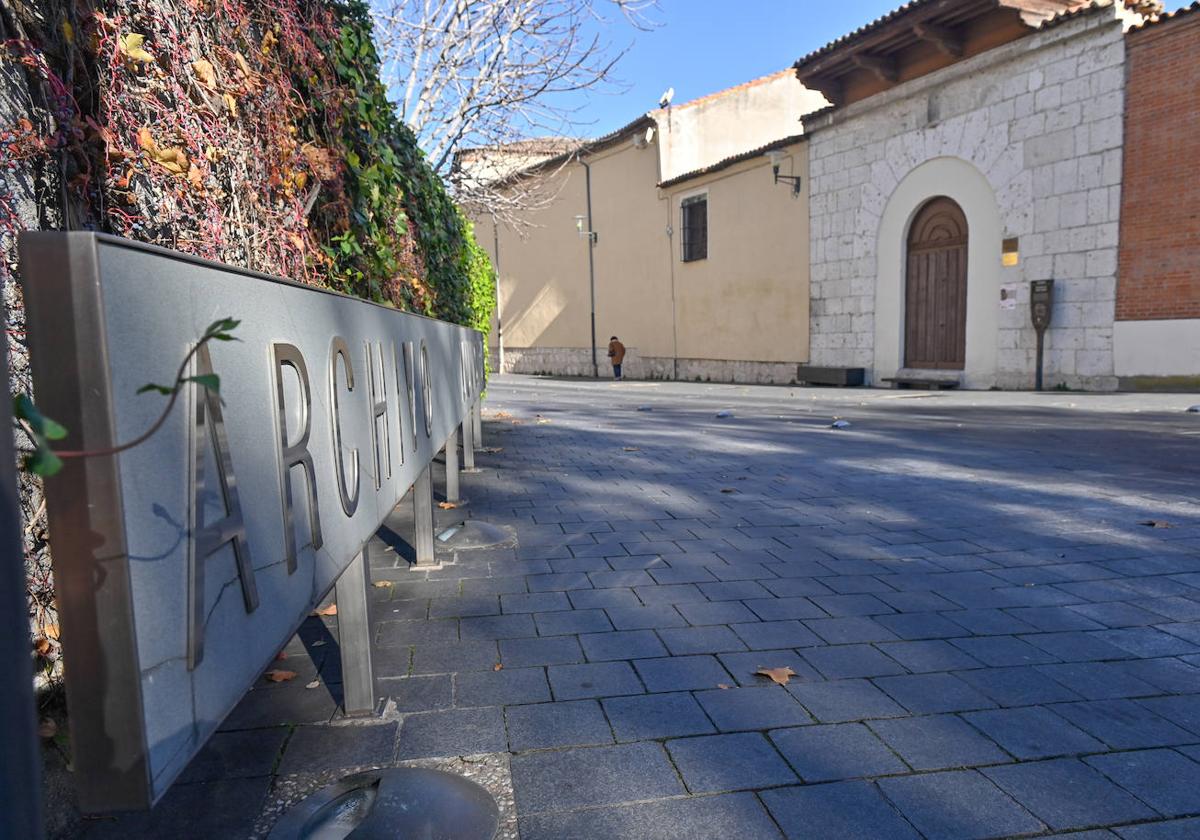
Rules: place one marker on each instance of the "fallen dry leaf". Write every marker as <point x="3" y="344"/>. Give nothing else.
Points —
<point x="195" y="177"/>
<point x="281" y="655"/>
<point x="230" y="103"/>
<point x="42" y="646"/>
<point x="543" y="421"/>
<point x="498" y="667"/>
<point x="1157" y="523"/>
<point x="47" y="728"/>
<point x="447" y="505"/>
<point x="50" y="631"/>
<point x="318" y="643"/>
<point x="777" y="675"/>
<point x="382" y="584"/>
<point x="280" y="676"/>
<point x="242" y="64"/>
<point x="205" y="72"/>
<point x="724" y="686"/>
<point x="632" y="449"/>
<point x="330" y="610"/>
<point x="728" y="490"/>
<point x="131" y="45"/>
<point x="313" y="684"/>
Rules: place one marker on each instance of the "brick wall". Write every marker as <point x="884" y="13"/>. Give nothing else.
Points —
<point x="1160" y="215"/>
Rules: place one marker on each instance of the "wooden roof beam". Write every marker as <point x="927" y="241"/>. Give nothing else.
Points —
<point x="943" y="37"/>
<point x="884" y="68"/>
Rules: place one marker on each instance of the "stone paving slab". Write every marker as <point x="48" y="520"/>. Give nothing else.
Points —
<point x="986" y="642"/>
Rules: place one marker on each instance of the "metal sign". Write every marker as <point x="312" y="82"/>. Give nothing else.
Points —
<point x="183" y="564"/>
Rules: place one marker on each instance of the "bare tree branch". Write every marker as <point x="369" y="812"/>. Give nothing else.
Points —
<point x="485" y="74"/>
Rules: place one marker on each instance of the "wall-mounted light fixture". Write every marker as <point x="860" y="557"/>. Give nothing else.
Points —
<point x="584" y="233"/>
<point x="777" y="157"/>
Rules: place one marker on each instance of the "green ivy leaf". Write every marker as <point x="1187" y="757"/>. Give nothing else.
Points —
<point x="43" y="426"/>
<point x="42" y="461"/>
<point x="208" y="380"/>
<point x="161" y="389"/>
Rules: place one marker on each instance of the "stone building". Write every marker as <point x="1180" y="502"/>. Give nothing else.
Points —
<point x="971" y="147"/>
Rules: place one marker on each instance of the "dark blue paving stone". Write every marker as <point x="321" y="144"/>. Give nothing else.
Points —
<point x="770" y="635"/>
<point x="236" y="755"/>
<point x="929" y="693"/>
<point x="1147" y="642"/>
<point x="399" y="610"/>
<point x="988" y="622"/>
<point x="1163" y="779"/>
<point x="921" y="626"/>
<point x="1126" y="724"/>
<point x="682" y="574"/>
<point x="845" y="700"/>
<point x="958" y="805"/>
<point x="743" y="571"/>
<point x="1168" y="675"/>
<point x="1188" y="631"/>
<point x="464" y="606"/>
<point x="792" y="587"/>
<point x="681" y="593"/>
<point x="191" y="812"/>
<point x="1183" y="710"/>
<point x="937" y="742"/>
<point x="689" y="640"/>
<point x="1066" y="793"/>
<point x="733" y="590"/>
<point x="699" y="818"/>
<point x="585" y="599"/>
<point x="449" y="657"/>
<point x="928" y="655"/>
<point x="650" y="716"/>
<point x="1021" y="686"/>
<point x="1176" y="608"/>
<point x="729" y="762"/>
<point x="1033" y="732"/>
<point x="1117" y="614"/>
<point x="1002" y="651"/>
<point x="916" y="602"/>
<point x="850" y="630"/>
<point x="452" y="732"/>
<point x="627" y="579"/>
<point x="600" y="679"/>
<point x="1099" y="590"/>
<point x="501" y="688"/>
<point x="681" y="673"/>
<point x="578" y="723"/>
<point x="1167" y="830"/>
<point x="838" y="811"/>
<point x="419" y="694"/>
<point x="592" y="776"/>
<point x="641" y="562"/>
<point x="716" y="612"/>
<point x="1075" y="646"/>
<point x="546" y="650"/>
<point x="497" y="627"/>
<point x="568" y="623"/>
<point x="294" y="704"/>
<point x="623" y="644"/>
<point x="645" y="618"/>
<point x="851" y="661"/>
<point x="856" y="584"/>
<point x="534" y="602"/>
<point x="493" y="586"/>
<point x="415" y="632"/>
<point x="778" y="609"/>
<point x="1054" y="619"/>
<point x="744" y="665"/>
<point x="314" y="749"/>
<point x="739" y="709"/>
<point x="558" y="582"/>
<point x="1098" y="680"/>
<point x="837" y="752"/>
<point x="848" y="605"/>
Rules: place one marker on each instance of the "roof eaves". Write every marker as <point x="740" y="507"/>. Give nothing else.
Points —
<point x="731" y="160"/>
<point x="584" y="147"/>
<point x="1167" y="17"/>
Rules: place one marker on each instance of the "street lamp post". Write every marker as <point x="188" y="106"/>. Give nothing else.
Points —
<point x="591" y="238"/>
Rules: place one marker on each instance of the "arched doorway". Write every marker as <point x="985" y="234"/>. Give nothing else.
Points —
<point x="935" y="300"/>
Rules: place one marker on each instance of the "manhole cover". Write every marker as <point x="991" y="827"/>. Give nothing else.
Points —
<point x="408" y="802"/>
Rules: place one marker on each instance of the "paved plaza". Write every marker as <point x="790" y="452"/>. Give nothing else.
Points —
<point x="990" y="603"/>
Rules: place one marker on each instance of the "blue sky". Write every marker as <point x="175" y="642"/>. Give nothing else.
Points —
<point x="708" y="45"/>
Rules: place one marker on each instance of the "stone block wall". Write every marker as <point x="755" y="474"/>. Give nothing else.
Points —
<point x="575" y="361"/>
<point x="1041" y="119"/>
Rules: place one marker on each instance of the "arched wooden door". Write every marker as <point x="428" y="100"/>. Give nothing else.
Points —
<point x="935" y="300"/>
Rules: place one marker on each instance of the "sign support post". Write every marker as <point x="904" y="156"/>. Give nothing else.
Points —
<point x="451" y="449"/>
<point x="353" y="594"/>
<point x="423" y="513"/>
<point x="468" y="438"/>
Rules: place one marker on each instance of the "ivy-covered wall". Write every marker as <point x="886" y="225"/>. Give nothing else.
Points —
<point x="252" y="132"/>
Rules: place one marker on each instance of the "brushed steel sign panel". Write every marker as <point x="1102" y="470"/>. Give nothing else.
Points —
<point x="185" y="563"/>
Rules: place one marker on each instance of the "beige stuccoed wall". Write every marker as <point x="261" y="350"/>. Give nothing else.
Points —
<point x="739" y="315"/>
<point x="749" y="299"/>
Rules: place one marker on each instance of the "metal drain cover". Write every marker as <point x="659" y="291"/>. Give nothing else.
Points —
<point x="412" y="803"/>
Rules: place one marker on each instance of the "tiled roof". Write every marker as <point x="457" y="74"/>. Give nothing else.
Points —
<point x="732" y="159"/>
<point x="1163" y="18"/>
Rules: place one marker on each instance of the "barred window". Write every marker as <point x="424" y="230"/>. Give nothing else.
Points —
<point x="695" y="228"/>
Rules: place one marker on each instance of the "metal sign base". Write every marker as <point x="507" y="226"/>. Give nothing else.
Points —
<point x="386" y="804"/>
